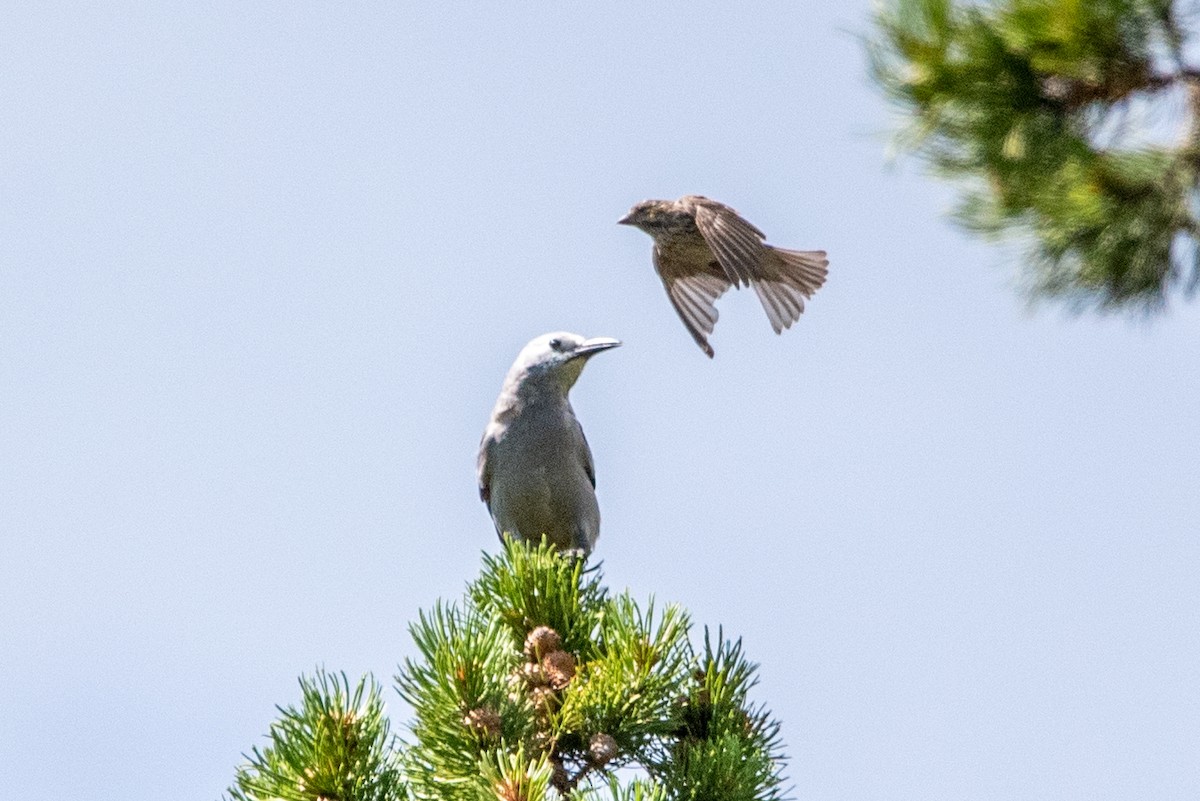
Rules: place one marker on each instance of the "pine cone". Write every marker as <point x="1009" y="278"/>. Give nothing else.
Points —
<point x="559" y="667"/>
<point x="483" y="720"/>
<point x="541" y="641"/>
<point x="543" y="741"/>
<point x="533" y="675"/>
<point x="602" y="749"/>
<point x="544" y="700"/>
<point x="560" y="779"/>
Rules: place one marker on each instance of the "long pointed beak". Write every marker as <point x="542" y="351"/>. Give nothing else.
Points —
<point x="626" y="220"/>
<point x="590" y="347"/>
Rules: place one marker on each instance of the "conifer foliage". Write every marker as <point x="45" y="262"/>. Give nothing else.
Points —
<point x="335" y="745"/>
<point x="1074" y="124"/>
<point x="538" y="684"/>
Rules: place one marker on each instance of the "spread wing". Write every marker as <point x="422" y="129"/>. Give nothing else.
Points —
<point x="692" y="296"/>
<point x="737" y="244"/>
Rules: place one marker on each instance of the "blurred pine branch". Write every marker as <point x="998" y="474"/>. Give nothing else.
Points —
<point x="1056" y="118"/>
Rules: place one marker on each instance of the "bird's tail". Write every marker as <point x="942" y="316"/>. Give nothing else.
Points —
<point x="804" y="269"/>
<point x="786" y="279"/>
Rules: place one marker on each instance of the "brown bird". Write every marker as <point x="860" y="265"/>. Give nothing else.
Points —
<point x="702" y="247"/>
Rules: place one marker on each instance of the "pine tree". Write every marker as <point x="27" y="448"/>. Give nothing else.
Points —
<point x="1062" y="120"/>
<point x="538" y="684"/>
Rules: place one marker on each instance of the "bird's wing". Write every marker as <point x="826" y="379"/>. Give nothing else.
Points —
<point x="692" y="296"/>
<point x="483" y="470"/>
<point x="589" y="467"/>
<point x="782" y="302"/>
<point x="737" y="244"/>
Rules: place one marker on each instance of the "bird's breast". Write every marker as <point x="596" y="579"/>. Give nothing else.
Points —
<point x="685" y="254"/>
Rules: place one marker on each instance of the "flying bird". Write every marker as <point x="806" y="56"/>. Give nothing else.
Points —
<point x="702" y="248"/>
<point x="535" y="467"/>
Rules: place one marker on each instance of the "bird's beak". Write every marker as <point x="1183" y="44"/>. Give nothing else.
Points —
<point x="590" y="347"/>
<point x="626" y="220"/>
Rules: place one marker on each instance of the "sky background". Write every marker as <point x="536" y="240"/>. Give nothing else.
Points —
<point x="263" y="267"/>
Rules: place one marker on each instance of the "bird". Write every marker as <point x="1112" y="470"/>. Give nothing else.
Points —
<point x="703" y="247"/>
<point x="535" y="468"/>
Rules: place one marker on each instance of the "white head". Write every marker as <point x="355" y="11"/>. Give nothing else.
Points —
<point x="554" y="360"/>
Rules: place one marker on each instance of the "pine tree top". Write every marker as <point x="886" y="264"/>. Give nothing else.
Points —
<point x="538" y="683"/>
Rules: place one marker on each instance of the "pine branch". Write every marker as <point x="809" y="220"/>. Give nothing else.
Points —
<point x="1007" y="97"/>
<point x="333" y="747"/>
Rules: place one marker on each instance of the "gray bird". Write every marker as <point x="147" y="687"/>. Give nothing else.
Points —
<point x="535" y="467"/>
<point x="702" y="247"/>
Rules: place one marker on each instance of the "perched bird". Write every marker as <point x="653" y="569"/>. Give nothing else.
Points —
<point x="702" y="247"/>
<point x="535" y="468"/>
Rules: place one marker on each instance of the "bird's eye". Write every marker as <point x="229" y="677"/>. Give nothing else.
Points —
<point x="556" y="343"/>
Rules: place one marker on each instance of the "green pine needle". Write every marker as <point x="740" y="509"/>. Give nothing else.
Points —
<point x="335" y="745"/>
<point x="1019" y="100"/>
<point x="537" y="586"/>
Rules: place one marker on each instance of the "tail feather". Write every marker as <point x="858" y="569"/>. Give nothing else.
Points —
<point x="786" y="280"/>
<point x="804" y="269"/>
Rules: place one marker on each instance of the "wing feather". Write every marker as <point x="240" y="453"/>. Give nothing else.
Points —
<point x="736" y="243"/>
<point x="782" y="302"/>
<point x="692" y="296"/>
<point x="589" y="466"/>
<point x="483" y="470"/>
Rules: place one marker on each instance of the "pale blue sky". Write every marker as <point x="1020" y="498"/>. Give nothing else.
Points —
<point x="263" y="267"/>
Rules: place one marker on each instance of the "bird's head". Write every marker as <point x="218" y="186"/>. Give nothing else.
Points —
<point x="650" y="215"/>
<point x="555" y="360"/>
